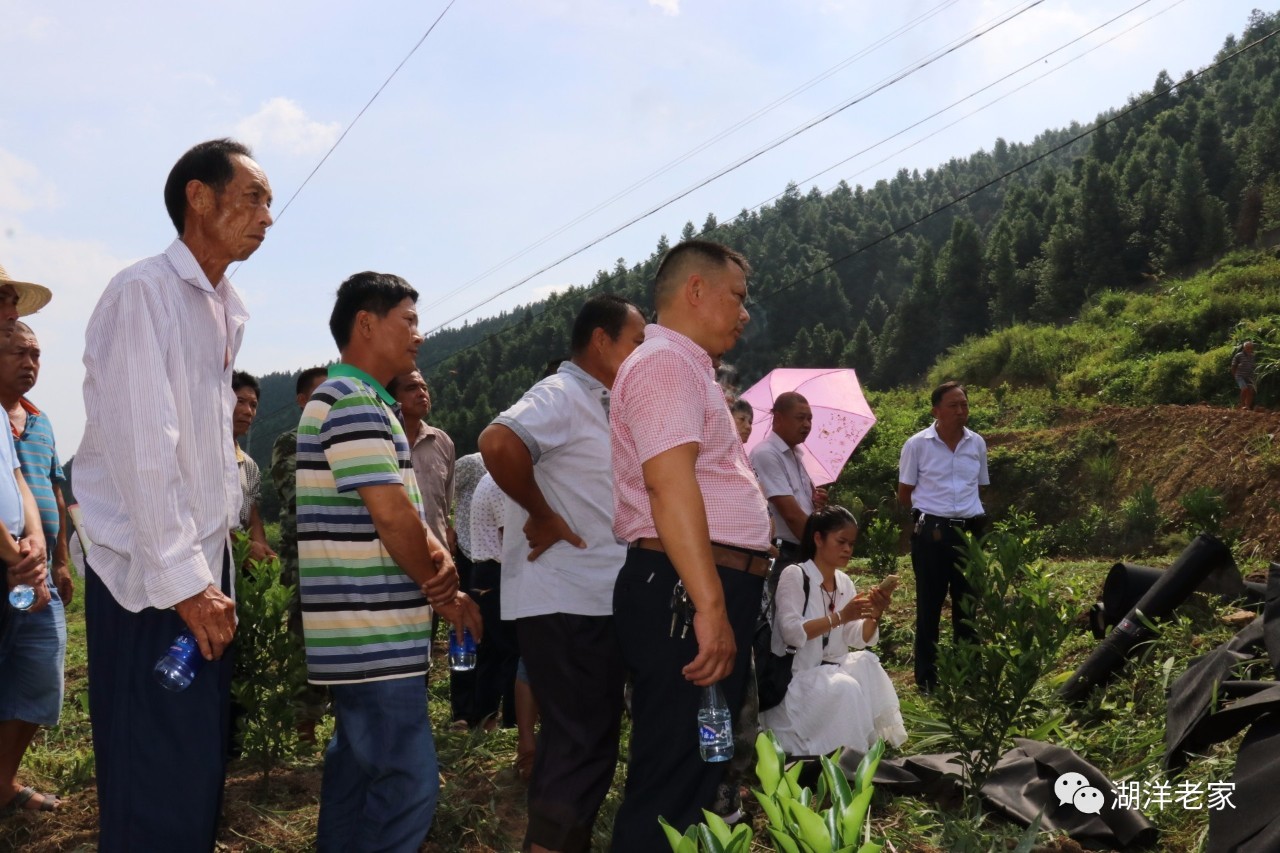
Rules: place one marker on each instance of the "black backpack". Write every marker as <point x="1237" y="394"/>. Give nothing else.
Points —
<point x="773" y="672"/>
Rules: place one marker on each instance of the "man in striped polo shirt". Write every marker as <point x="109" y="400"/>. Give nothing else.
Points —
<point x="33" y="646"/>
<point x="369" y="565"/>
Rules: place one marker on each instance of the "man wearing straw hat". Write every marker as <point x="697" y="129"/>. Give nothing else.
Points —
<point x="32" y="642"/>
<point x="157" y="480"/>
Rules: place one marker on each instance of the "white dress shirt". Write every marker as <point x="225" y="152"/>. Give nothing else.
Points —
<point x="780" y="470"/>
<point x="156" y="473"/>
<point x="488" y="509"/>
<point x="946" y="482"/>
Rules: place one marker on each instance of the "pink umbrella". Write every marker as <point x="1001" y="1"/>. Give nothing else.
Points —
<point x="841" y="416"/>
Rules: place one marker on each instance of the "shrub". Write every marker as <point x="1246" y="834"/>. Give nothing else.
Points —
<point x="270" y="667"/>
<point x="1020" y="623"/>
<point x="1205" y="509"/>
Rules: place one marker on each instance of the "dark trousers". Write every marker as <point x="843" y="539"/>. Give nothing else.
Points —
<point x="665" y="774"/>
<point x="498" y="653"/>
<point x="462" y="684"/>
<point x="576" y="673"/>
<point x="936" y="559"/>
<point x="160" y="755"/>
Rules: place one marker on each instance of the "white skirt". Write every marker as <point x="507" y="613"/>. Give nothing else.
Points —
<point x="846" y="704"/>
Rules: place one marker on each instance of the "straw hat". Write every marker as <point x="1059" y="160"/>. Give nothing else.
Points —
<point x="31" y="297"/>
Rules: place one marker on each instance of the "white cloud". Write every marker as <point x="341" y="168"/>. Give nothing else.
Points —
<point x="543" y="291"/>
<point x="282" y="124"/>
<point x="668" y="7"/>
<point x="21" y="185"/>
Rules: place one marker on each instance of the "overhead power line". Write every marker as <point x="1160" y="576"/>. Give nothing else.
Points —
<point x="918" y="220"/>
<point x="662" y="170"/>
<point x="748" y="158"/>
<point x="277" y="217"/>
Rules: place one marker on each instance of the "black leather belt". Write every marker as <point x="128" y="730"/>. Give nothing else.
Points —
<point x="727" y="556"/>
<point x="977" y="522"/>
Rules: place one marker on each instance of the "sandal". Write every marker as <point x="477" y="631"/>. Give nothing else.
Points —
<point x="48" y="802"/>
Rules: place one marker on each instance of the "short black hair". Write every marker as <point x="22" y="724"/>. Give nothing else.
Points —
<point x="741" y="405"/>
<point x="707" y="251"/>
<point x="606" y="311"/>
<point x="240" y="379"/>
<point x="941" y="391"/>
<point x="375" y="292"/>
<point x="394" y="385"/>
<point x="210" y="164"/>
<point x="824" y="521"/>
<point x="307" y="377"/>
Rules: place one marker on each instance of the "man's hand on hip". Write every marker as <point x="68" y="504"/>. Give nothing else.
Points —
<point x="543" y="531"/>
<point x="211" y="616"/>
<point x="716" y="649"/>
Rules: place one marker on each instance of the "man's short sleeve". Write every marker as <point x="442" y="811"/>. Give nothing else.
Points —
<point x="909" y="464"/>
<point x="655" y="424"/>
<point x="541" y="418"/>
<point x="771" y="472"/>
<point x="983" y="478"/>
<point x="359" y="444"/>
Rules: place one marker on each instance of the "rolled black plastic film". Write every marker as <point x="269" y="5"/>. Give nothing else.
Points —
<point x="1202" y="556"/>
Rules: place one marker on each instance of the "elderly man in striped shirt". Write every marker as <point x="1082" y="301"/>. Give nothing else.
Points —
<point x="688" y="505"/>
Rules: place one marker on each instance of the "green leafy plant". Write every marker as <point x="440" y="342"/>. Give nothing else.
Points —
<point x="797" y="820"/>
<point x="270" y="667"/>
<point x="1205" y="509"/>
<point x="1019" y="624"/>
<point x="880" y="544"/>
<point x="1142" y="518"/>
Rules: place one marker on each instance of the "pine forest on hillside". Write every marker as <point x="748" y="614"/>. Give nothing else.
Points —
<point x="1168" y="181"/>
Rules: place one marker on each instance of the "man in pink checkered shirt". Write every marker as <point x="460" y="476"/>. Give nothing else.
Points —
<point x="687" y="502"/>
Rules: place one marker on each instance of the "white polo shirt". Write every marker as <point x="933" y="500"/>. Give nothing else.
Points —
<point x="781" y="472"/>
<point x="946" y="482"/>
<point x="564" y="422"/>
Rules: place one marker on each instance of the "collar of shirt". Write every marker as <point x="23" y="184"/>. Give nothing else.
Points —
<point x="593" y="385"/>
<point x="350" y="371"/>
<point x="32" y="412"/>
<point x="188" y="269"/>
<point x="776" y="441"/>
<point x="685" y="344"/>
<point x="932" y="431"/>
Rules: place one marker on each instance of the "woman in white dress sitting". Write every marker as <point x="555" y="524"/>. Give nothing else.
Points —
<point x="839" y="694"/>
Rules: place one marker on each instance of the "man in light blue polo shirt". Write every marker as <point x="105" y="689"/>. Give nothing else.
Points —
<point x="31" y="642"/>
<point x="550" y="453"/>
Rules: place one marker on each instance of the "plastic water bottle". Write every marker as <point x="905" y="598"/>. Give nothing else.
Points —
<point x="715" y="726"/>
<point x="462" y="652"/>
<point x="180" y="665"/>
<point x="22" y="596"/>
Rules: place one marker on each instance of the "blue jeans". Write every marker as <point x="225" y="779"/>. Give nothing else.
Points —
<point x="381" y="778"/>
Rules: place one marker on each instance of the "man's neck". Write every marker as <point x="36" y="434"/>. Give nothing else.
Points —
<point x="951" y="435"/>
<point x="687" y="326"/>
<point x="594" y="369"/>
<point x="361" y="361"/>
<point x="13" y="405"/>
<point x="212" y="264"/>
<point x="412" y="426"/>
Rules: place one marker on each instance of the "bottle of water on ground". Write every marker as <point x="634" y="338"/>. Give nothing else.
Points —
<point x="462" y="651"/>
<point x="715" y="726"/>
<point x="179" y="666"/>
<point x="22" y="596"/>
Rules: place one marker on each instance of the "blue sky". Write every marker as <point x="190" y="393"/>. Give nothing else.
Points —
<point x="512" y="120"/>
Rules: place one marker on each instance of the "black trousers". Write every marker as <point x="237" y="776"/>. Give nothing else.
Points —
<point x="498" y="653"/>
<point x="666" y="776"/>
<point x="160" y="755"/>
<point x="576" y="673"/>
<point x="936" y="554"/>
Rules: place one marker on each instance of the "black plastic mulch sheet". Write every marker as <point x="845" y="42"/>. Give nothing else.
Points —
<point x="1209" y="704"/>
<point x="1020" y="786"/>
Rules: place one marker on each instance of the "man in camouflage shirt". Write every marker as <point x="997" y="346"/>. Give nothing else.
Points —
<point x="284" y="467"/>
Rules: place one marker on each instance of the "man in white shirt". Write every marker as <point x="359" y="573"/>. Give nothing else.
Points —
<point x="158" y="484"/>
<point x="939" y="473"/>
<point x="779" y="465"/>
<point x="550" y="454"/>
